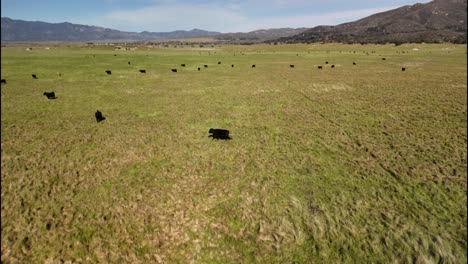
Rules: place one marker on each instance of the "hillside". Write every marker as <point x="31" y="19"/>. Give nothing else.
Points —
<point x="19" y="30"/>
<point x="434" y="22"/>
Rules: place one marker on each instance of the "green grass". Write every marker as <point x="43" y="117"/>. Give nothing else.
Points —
<point x="360" y="163"/>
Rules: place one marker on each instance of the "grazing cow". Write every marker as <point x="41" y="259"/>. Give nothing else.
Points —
<point x="232" y="66"/>
<point x="3" y="81"/>
<point x="403" y="69"/>
<point x="383" y="58"/>
<point x="34" y="76"/>
<point x="115" y="54"/>
<point x="128" y="63"/>
<point x="219" y="62"/>
<point x="182" y="65"/>
<point x="333" y="66"/>
<point x="198" y="68"/>
<point x="326" y="62"/>
<point x="354" y="63"/>
<point x="219" y="133"/>
<point x="50" y="95"/>
<point x="291" y="66"/>
<point x="319" y="67"/>
<point x="253" y="66"/>
<point x="143" y="71"/>
<point x="99" y="116"/>
<point x="174" y="70"/>
<point x="108" y="72"/>
<point x="206" y="66"/>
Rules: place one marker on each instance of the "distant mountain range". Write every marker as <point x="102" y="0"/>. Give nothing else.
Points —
<point x="260" y="35"/>
<point x="433" y="22"/>
<point x="20" y="30"/>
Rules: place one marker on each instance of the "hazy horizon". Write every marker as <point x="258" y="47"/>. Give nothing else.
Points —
<point x="210" y="15"/>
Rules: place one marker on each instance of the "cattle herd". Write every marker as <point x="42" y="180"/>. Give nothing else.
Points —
<point x="214" y="133"/>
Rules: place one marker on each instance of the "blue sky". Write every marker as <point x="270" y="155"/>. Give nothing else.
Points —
<point x="220" y="15"/>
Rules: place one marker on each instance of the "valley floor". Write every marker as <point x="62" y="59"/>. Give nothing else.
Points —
<point x="355" y="163"/>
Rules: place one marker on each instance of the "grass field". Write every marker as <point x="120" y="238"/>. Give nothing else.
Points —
<point x="352" y="164"/>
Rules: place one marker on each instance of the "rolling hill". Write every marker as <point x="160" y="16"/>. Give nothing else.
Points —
<point x="433" y="22"/>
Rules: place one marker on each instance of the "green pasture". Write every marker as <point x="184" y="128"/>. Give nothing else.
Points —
<point x="358" y="163"/>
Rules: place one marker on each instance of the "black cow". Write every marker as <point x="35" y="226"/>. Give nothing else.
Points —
<point x="174" y="70"/>
<point x="383" y="58"/>
<point x="115" y="54"/>
<point x="198" y="68"/>
<point x="403" y="69"/>
<point x="50" y="95"/>
<point x="143" y="71"/>
<point x="108" y="72"/>
<point x="219" y="134"/>
<point x="182" y="65"/>
<point x="128" y="63"/>
<point x="206" y="66"/>
<point x="354" y="63"/>
<point x="99" y="116"/>
<point x="291" y="66"/>
<point x="219" y="62"/>
<point x="232" y="66"/>
<point x="319" y="67"/>
<point x="253" y="66"/>
<point x="333" y="66"/>
<point x="3" y="81"/>
<point x="34" y="76"/>
<point x="326" y="62"/>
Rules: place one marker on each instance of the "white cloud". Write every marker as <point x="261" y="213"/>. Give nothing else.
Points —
<point x="170" y="15"/>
